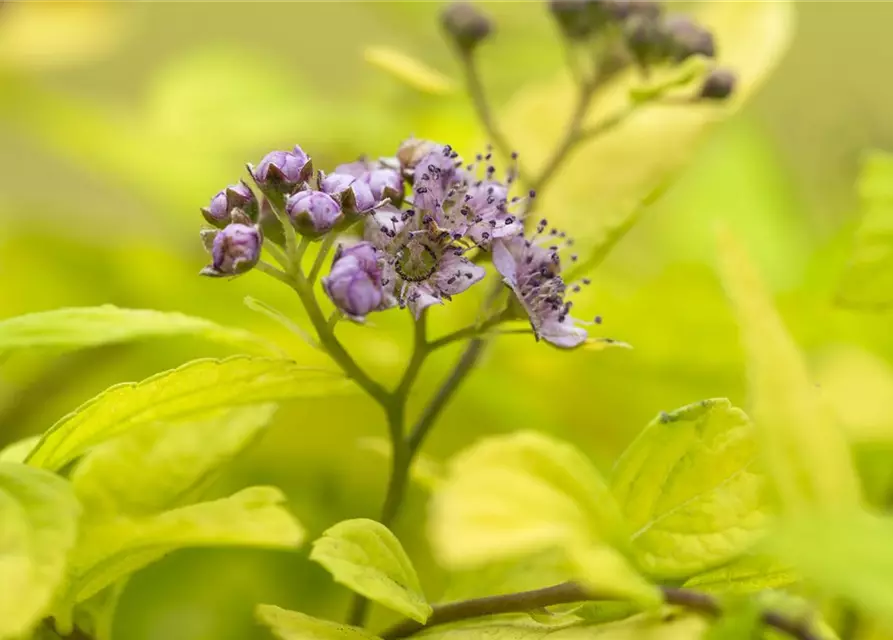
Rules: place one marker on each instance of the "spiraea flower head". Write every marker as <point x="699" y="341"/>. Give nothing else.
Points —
<point x="313" y="213"/>
<point x="531" y="267"/>
<point x="355" y="282"/>
<point x="354" y="195"/>
<point x="236" y="196"/>
<point x="282" y="171"/>
<point x="234" y="249"/>
<point x="424" y="265"/>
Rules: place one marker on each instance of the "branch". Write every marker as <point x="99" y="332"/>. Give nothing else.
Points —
<point x="466" y="362"/>
<point x="571" y="592"/>
<point x="475" y="89"/>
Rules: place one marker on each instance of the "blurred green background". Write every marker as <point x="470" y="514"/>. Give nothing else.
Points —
<point x="119" y="120"/>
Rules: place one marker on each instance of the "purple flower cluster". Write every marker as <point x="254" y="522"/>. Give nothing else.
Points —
<point x="415" y="248"/>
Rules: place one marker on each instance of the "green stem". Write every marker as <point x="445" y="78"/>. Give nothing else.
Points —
<point x="470" y="331"/>
<point x="431" y="412"/>
<point x="475" y="89"/>
<point x="571" y="592"/>
<point x="324" y="248"/>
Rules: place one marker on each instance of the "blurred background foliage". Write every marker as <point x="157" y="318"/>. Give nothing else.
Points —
<point x="119" y="120"/>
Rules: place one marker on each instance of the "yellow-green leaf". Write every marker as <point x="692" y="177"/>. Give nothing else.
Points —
<point x="748" y="574"/>
<point x="38" y="528"/>
<point x="848" y="555"/>
<point x="805" y="453"/>
<point x="114" y="547"/>
<point x="19" y="450"/>
<point x="858" y="387"/>
<point x="366" y="557"/>
<point x="158" y="465"/>
<point x="605" y="571"/>
<point x="605" y="181"/>
<point x="689" y="488"/>
<point x="92" y="326"/>
<point x="192" y="390"/>
<point x="868" y="279"/>
<point x="641" y="627"/>
<point x="291" y="625"/>
<point x="408" y="70"/>
<point x="508" y="496"/>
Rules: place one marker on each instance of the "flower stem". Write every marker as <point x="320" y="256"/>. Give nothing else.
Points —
<point x="476" y="92"/>
<point x="571" y="592"/>
<point x="324" y="248"/>
<point x="466" y="363"/>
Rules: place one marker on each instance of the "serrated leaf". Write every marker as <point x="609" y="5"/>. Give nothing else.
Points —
<point x="17" y="451"/>
<point x="806" y="455"/>
<point x="114" y="547"/>
<point x="616" y="172"/>
<point x="291" y="625"/>
<point x="846" y="555"/>
<point x="641" y="627"/>
<point x="408" y="70"/>
<point x="177" y="395"/>
<point x="508" y="496"/>
<point x="868" y="279"/>
<point x="39" y="515"/>
<point x="749" y="574"/>
<point x="157" y="466"/>
<point x="366" y="557"/>
<point x="92" y="326"/>
<point x="689" y="488"/>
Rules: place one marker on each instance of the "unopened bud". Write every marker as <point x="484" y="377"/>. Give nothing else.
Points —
<point x="467" y="26"/>
<point x="313" y="213"/>
<point x="236" y="196"/>
<point x="234" y="250"/>
<point x="354" y="194"/>
<point x="625" y="9"/>
<point x="386" y="183"/>
<point x="687" y="38"/>
<point x="282" y="171"/>
<point x="719" y="84"/>
<point x="572" y="17"/>
<point x="354" y="284"/>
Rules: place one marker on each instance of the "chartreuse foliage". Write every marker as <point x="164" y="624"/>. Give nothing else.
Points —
<point x="868" y="280"/>
<point x="709" y="508"/>
<point x="365" y="556"/>
<point x="141" y="454"/>
<point x="38" y="512"/>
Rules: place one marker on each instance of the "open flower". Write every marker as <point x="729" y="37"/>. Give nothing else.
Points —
<point x="423" y="265"/>
<point x="533" y="272"/>
<point x="468" y="201"/>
